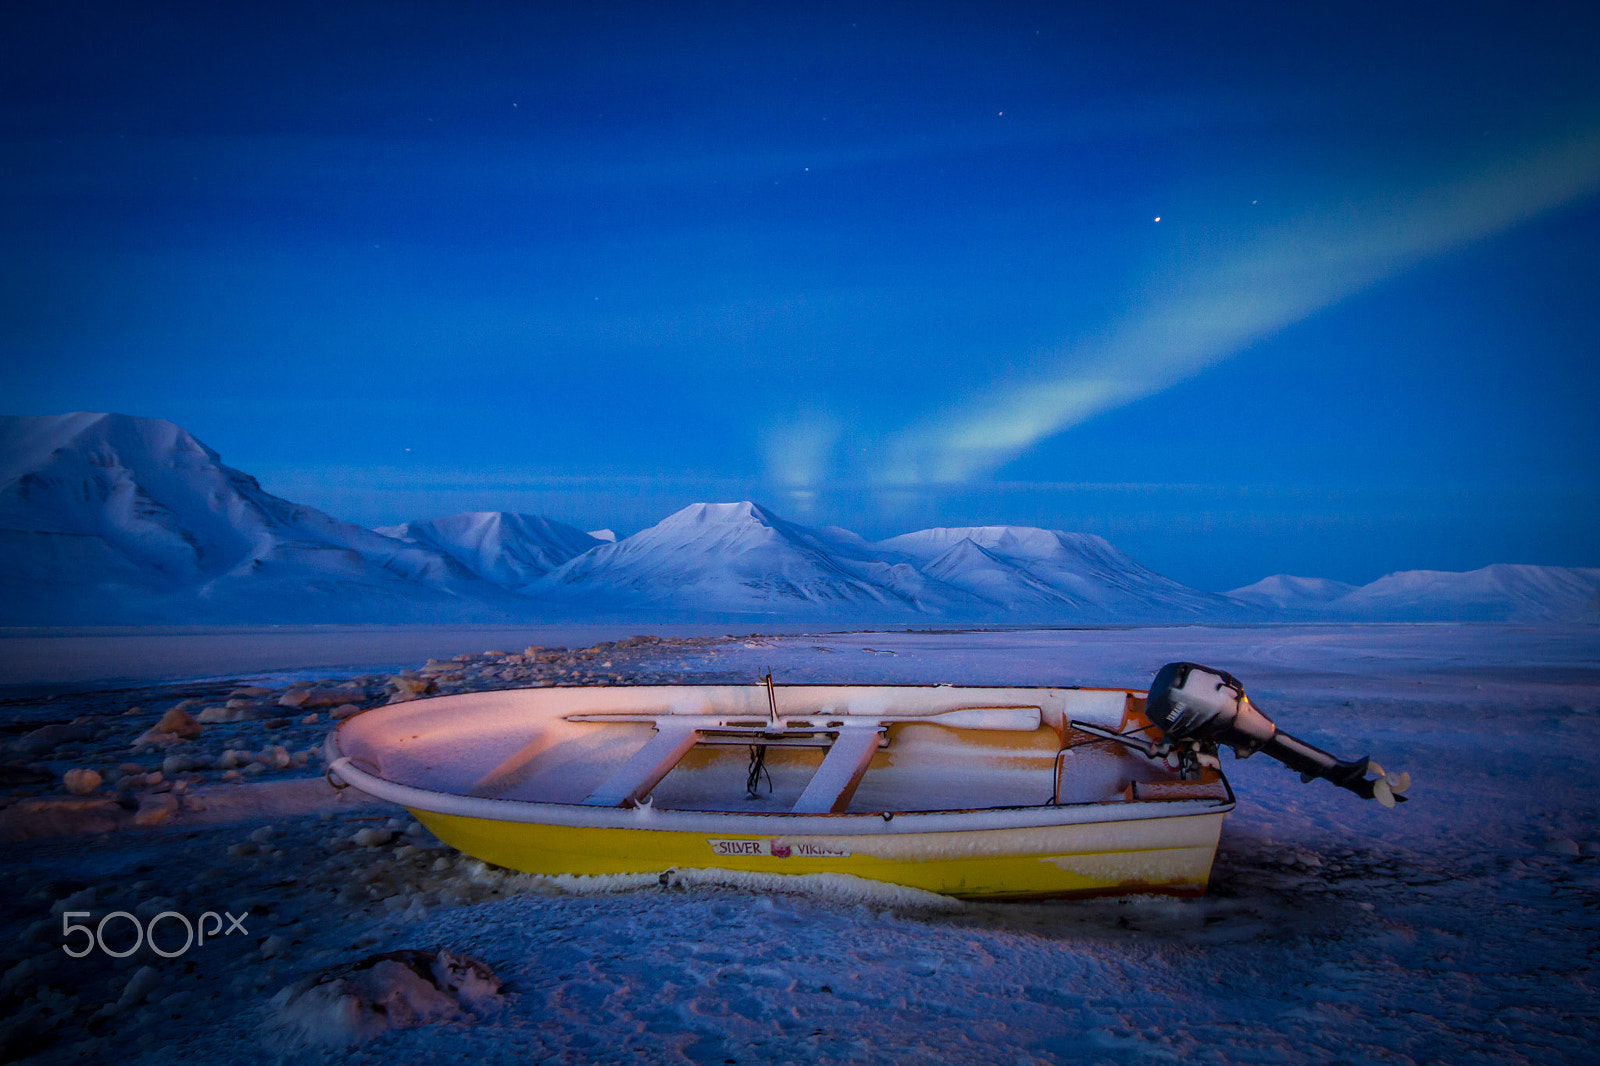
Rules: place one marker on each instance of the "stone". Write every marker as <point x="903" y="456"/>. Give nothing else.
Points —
<point x="51" y="736"/>
<point x="394" y="990"/>
<point x="212" y="715"/>
<point x="278" y="757"/>
<point x="371" y="838"/>
<point x="176" y="764"/>
<point x="311" y="719"/>
<point x="274" y="946"/>
<point x="176" y="723"/>
<point x="144" y="981"/>
<point x="81" y="782"/>
<point x="306" y="699"/>
<point x="155" y="808"/>
<point x="417" y="686"/>
<point x="249" y="692"/>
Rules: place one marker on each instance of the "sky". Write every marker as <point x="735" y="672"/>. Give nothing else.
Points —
<point x="1245" y="288"/>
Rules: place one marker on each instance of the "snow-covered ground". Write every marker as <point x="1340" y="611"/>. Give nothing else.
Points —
<point x="1457" y="928"/>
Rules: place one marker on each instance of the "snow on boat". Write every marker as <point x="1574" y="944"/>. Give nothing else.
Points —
<point x="976" y="792"/>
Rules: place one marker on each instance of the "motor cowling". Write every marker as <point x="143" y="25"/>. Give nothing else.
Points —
<point x="1197" y="704"/>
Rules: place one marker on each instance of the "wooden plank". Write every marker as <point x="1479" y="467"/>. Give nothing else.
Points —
<point x="835" y="781"/>
<point x="512" y="770"/>
<point x="635" y="778"/>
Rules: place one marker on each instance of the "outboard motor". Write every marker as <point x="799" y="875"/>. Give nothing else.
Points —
<point x="1198" y="708"/>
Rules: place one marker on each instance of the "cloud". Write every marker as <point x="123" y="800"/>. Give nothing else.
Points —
<point x="1288" y="275"/>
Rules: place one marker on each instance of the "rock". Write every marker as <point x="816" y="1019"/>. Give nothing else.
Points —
<point x="395" y="990"/>
<point x="405" y="695"/>
<point x="176" y="764"/>
<point x="47" y="737"/>
<point x="274" y="946"/>
<point x="230" y="758"/>
<point x="418" y="686"/>
<point x="262" y="835"/>
<point x="254" y="769"/>
<point x="176" y="724"/>
<point x="80" y="900"/>
<point x="1561" y="846"/>
<point x="144" y="981"/>
<point x="19" y="975"/>
<point x="155" y="808"/>
<point x="371" y="838"/>
<point x="81" y="782"/>
<point x="217" y="714"/>
<point x="307" y="699"/>
<point x="532" y="650"/>
<point x="248" y="692"/>
<point x="130" y="782"/>
<point x="311" y="719"/>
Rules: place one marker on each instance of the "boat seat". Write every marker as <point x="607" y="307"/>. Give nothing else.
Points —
<point x="850" y="751"/>
<point x="634" y="779"/>
<point x="835" y="781"/>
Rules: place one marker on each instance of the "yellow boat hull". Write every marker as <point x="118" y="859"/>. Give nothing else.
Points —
<point x="1170" y="856"/>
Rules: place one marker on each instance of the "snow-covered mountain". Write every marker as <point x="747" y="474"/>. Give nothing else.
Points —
<point x="116" y="519"/>
<point x="511" y="550"/>
<point x="1500" y="593"/>
<point x="111" y="518"/>
<point x="1286" y="592"/>
<point x="1030" y="571"/>
<point x="734" y="558"/>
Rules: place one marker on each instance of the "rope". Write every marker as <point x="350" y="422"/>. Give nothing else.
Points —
<point x="758" y="770"/>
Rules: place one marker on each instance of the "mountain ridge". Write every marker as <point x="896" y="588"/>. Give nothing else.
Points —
<point x="108" y="518"/>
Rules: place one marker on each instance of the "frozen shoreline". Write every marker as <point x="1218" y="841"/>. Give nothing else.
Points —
<point x="1456" y="928"/>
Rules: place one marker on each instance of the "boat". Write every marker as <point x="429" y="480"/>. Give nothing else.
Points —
<point x="978" y="792"/>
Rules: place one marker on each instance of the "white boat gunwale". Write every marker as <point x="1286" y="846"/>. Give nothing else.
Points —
<point x="647" y="817"/>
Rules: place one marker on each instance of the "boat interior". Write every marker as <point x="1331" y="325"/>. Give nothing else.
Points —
<point x="765" y="749"/>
